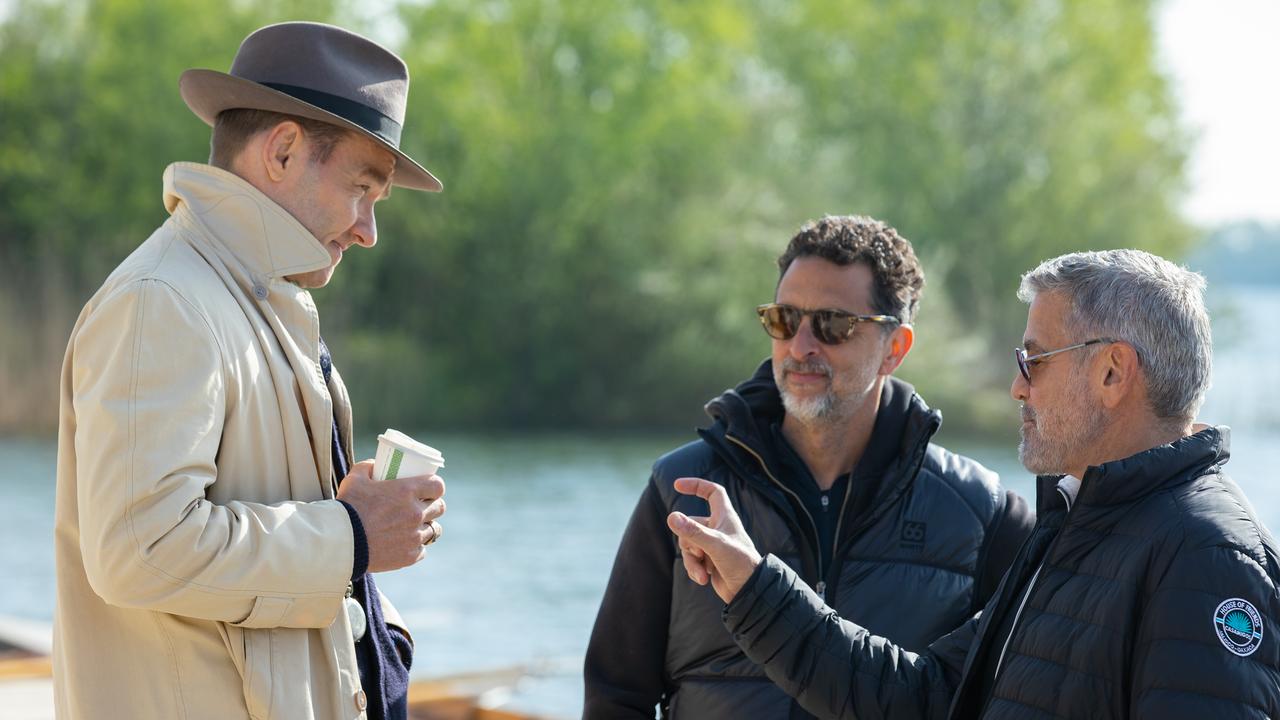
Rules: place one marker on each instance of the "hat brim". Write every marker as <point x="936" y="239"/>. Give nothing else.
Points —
<point x="209" y="92"/>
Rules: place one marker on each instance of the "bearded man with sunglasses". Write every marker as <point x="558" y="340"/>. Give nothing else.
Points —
<point x="830" y="459"/>
<point x="1148" y="589"/>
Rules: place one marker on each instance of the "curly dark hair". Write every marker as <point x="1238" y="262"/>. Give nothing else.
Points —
<point x="850" y="239"/>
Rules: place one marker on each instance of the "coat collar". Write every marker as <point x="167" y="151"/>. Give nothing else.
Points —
<point x="1144" y="473"/>
<point x="258" y="232"/>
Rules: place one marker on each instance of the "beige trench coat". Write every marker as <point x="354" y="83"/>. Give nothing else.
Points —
<point x="201" y="558"/>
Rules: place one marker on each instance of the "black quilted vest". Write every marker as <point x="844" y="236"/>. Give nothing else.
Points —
<point x="906" y="569"/>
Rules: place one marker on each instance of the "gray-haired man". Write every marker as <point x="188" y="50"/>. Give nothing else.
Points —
<point x="1148" y="588"/>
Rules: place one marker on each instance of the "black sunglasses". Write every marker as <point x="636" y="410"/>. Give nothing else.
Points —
<point x="831" y="327"/>
<point x="1025" y="361"/>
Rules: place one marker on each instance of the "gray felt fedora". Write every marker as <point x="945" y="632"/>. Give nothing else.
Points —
<point x="320" y="72"/>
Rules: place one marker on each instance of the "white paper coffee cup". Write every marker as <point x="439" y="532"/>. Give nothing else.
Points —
<point x="401" y="456"/>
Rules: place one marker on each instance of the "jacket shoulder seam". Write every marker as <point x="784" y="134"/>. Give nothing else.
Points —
<point x="946" y="482"/>
<point x="1219" y="542"/>
<point x="1220" y="546"/>
<point x="665" y="468"/>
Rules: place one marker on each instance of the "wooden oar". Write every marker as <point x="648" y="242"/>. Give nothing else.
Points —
<point x="21" y="668"/>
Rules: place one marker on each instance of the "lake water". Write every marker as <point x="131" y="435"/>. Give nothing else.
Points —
<point x="533" y="523"/>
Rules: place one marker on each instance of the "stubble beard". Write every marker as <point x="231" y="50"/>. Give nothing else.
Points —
<point x="1073" y="430"/>
<point x="824" y="409"/>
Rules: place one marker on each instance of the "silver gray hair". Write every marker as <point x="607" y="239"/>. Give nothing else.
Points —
<point x="1147" y="302"/>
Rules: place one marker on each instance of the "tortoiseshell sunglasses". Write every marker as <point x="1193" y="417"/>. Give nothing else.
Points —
<point x="831" y="327"/>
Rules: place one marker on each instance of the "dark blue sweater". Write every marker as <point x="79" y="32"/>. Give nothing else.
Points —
<point x="383" y="654"/>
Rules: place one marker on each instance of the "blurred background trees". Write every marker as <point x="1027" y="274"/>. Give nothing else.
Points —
<point x="619" y="177"/>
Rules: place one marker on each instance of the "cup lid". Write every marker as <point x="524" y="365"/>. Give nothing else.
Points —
<point x="408" y="444"/>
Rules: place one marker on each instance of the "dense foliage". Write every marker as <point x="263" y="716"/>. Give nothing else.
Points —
<point x="619" y="177"/>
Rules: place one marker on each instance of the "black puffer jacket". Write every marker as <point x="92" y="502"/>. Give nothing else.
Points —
<point x="923" y="556"/>
<point x="1153" y="595"/>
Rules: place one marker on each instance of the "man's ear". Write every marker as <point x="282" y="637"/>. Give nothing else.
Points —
<point x="282" y="150"/>
<point x="900" y="342"/>
<point x="1120" y="373"/>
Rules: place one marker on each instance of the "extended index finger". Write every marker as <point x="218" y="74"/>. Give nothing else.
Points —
<point x="713" y="493"/>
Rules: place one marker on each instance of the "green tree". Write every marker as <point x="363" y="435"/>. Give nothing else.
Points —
<point x="620" y="175"/>
<point x="995" y="134"/>
<point x="90" y="116"/>
<point x="575" y="270"/>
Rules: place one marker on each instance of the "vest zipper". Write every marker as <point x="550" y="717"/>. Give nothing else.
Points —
<point x="835" y="541"/>
<point x="820" y="587"/>
<point x="1026" y="595"/>
<point x="879" y="500"/>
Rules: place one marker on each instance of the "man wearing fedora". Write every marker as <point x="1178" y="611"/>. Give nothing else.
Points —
<point x="214" y="537"/>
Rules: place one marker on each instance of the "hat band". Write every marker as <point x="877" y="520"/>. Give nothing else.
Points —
<point x="366" y="117"/>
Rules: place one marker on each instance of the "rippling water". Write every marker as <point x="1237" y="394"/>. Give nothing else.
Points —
<point x="533" y="523"/>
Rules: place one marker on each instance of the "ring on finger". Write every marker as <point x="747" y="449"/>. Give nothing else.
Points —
<point x="436" y="531"/>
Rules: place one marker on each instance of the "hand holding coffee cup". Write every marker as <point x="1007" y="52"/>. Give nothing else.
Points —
<point x="401" y="456"/>
<point x="399" y="512"/>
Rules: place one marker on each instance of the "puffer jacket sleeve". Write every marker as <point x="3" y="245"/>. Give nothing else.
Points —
<point x="147" y="378"/>
<point x="1194" y="656"/>
<point x="834" y="668"/>
<point x="625" y="668"/>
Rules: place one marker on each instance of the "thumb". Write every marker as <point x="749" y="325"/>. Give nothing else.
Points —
<point x="357" y="478"/>
<point x="685" y="528"/>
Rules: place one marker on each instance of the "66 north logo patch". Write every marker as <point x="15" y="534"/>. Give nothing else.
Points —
<point x="1239" y="626"/>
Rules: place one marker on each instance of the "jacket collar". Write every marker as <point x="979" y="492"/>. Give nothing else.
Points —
<point x="1150" y="471"/>
<point x="748" y="412"/>
<point x="263" y="236"/>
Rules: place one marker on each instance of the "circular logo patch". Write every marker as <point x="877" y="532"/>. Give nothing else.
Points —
<point x="1239" y="626"/>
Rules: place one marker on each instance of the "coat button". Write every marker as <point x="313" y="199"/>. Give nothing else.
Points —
<point x="260" y="292"/>
<point x="361" y="701"/>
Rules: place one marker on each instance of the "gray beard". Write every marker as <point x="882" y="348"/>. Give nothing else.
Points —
<point x="822" y="410"/>
<point x="1052" y="456"/>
